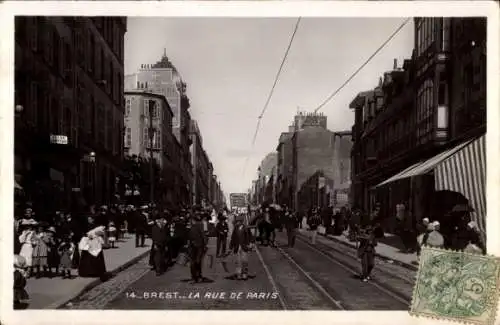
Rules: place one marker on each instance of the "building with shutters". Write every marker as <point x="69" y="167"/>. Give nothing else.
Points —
<point x="162" y="78"/>
<point x="69" y="83"/>
<point x="139" y="103"/>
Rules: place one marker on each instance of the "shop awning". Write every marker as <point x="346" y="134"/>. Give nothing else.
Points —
<point x="398" y="176"/>
<point x="424" y="167"/>
<point x="461" y="169"/>
<point x="465" y="172"/>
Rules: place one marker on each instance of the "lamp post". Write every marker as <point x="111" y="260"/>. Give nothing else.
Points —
<point x="151" y="163"/>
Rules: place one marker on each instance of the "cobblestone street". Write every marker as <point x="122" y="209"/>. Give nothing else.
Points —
<point x="306" y="277"/>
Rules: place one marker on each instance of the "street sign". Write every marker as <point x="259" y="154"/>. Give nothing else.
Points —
<point x="238" y="200"/>
<point x="58" y="139"/>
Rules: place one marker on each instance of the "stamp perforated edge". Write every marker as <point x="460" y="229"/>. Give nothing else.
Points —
<point x="494" y="299"/>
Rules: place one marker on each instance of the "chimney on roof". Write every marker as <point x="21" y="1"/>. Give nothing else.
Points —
<point x="395" y="64"/>
<point x="380" y="82"/>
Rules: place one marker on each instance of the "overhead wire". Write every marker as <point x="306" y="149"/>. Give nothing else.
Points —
<point x="331" y="96"/>
<point x="276" y="78"/>
<point x="363" y="65"/>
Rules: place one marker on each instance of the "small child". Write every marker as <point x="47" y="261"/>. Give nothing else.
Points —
<point x="20" y="294"/>
<point x="66" y="251"/>
<point x="112" y="234"/>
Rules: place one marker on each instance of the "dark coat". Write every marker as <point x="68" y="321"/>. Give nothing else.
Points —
<point x="241" y="237"/>
<point x="291" y="221"/>
<point x="197" y="236"/>
<point x="141" y="221"/>
<point x="160" y="235"/>
<point x="314" y="221"/>
<point x="222" y="229"/>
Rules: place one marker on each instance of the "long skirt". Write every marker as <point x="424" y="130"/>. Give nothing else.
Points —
<point x="27" y="253"/>
<point x="53" y="257"/>
<point x="92" y="266"/>
<point x="75" y="262"/>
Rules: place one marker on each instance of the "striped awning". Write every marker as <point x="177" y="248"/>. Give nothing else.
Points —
<point x="398" y="176"/>
<point x="461" y="169"/>
<point x="465" y="172"/>
<point x="424" y="167"/>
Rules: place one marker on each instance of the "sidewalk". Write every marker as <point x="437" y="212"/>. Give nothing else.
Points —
<point x="387" y="249"/>
<point x="48" y="293"/>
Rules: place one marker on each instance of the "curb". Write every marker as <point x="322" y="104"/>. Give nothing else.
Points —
<point x="403" y="264"/>
<point x="63" y="301"/>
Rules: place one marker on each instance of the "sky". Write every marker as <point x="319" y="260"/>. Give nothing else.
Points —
<point x="229" y="65"/>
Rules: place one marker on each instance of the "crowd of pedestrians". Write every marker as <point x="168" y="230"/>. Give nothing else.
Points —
<point x="367" y="229"/>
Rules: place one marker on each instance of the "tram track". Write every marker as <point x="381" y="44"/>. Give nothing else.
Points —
<point x="336" y="279"/>
<point x="354" y="269"/>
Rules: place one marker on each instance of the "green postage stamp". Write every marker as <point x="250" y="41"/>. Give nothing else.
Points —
<point x="456" y="286"/>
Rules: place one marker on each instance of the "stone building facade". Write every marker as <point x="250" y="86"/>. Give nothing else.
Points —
<point x="69" y="83"/>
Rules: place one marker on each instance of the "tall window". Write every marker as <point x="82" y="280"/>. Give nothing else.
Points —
<point x="128" y="107"/>
<point x="445" y="34"/>
<point x="156" y="139"/>
<point x="111" y="87"/>
<point x="128" y="137"/>
<point x="425" y="34"/>
<point x="33" y="34"/>
<point x="92" y="53"/>
<point x="33" y="103"/>
<point x="468" y="83"/>
<point x="425" y="104"/>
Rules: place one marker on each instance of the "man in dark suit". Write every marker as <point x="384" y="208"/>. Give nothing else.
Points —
<point x="141" y="226"/>
<point x="160" y="236"/>
<point x="197" y="247"/>
<point x="292" y="223"/>
<point x="222" y="230"/>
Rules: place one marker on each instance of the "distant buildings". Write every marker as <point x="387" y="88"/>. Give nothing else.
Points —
<point x="177" y="143"/>
<point x="202" y="167"/>
<point x="263" y="191"/>
<point x="69" y="99"/>
<point x="306" y="172"/>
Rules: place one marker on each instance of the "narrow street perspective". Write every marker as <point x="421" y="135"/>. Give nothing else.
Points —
<point x="230" y="163"/>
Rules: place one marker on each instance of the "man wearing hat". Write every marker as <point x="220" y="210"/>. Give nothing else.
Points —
<point x="141" y="226"/>
<point x="240" y="244"/>
<point x="160" y="237"/>
<point x="222" y="230"/>
<point x="197" y="247"/>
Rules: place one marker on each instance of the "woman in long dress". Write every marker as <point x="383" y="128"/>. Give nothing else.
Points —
<point x="27" y="240"/>
<point x="92" y="263"/>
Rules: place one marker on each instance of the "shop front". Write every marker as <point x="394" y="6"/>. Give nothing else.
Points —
<point x="432" y="188"/>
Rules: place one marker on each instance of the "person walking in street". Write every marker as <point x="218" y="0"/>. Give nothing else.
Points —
<point x="159" y="235"/>
<point x="366" y="252"/>
<point x="291" y="224"/>
<point x="92" y="264"/>
<point x="222" y="230"/>
<point x="141" y="226"/>
<point x="197" y="247"/>
<point x="241" y="244"/>
<point x="314" y="222"/>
